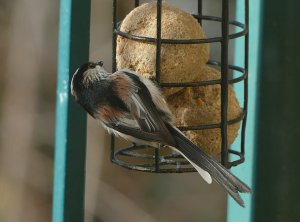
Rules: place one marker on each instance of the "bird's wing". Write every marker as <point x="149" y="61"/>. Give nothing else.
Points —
<point x="144" y="119"/>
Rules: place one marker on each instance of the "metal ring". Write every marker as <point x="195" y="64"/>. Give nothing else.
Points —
<point x="172" y="163"/>
<point x="243" y="32"/>
<point x="240" y="78"/>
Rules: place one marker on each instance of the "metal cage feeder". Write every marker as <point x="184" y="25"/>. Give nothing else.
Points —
<point x="160" y="159"/>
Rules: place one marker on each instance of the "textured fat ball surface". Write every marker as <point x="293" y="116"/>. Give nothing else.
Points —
<point x="177" y="61"/>
<point x="202" y="105"/>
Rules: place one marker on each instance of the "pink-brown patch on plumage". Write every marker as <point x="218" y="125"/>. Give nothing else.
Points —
<point x="123" y="86"/>
<point x="107" y="113"/>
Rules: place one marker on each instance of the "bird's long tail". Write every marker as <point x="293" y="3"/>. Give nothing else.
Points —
<point x="207" y="166"/>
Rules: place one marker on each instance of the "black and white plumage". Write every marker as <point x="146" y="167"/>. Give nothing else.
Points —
<point x="132" y="107"/>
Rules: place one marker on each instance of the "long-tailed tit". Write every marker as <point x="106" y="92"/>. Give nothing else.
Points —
<point x="132" y="107"/>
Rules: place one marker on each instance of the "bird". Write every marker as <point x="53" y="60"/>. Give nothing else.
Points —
<point x="132" y="107"/>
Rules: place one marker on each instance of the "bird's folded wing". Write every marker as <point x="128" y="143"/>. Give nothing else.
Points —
<point x="144" y="120"/>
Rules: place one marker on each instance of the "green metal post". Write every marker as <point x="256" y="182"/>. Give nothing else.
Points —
<point x="277" y="178"/>
<point x="69" y="169"/>
<point x="245" y="170"/>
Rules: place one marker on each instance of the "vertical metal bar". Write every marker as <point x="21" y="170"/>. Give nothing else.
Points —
<point x="245" y="170"/>
<point x="200" y="6"/>
<point x="224" y="80"/>
<point x="136" y="3"/>
<point x="246" y="65"/>
<point x="70" y="141"/>
<point x="114" y="68"/>
<point x="114" y="40"/>
<point x="158" y="54"/>
<point x="157" y="159"/>
<point x="158" y="39"/>
<point x="112" y="147"/>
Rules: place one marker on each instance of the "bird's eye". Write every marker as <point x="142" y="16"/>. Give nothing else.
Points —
<point x="92" y="66"/>
<point x="100" y="63"/>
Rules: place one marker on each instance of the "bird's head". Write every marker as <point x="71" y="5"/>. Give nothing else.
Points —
<point x="88" y="84"/>
<point x="86" y="75"/>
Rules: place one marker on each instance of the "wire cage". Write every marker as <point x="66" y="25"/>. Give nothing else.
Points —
<point x="160" y="159"/>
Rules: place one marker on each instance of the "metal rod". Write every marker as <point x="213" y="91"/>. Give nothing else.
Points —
<point x="158" y="39"/>
<point x="136" y="3"/>
<point x="200" y="5"/>
<point x="224" y="80"/>
<point x="114" y="67"/>
<point x="112" y="147"/>
<point x="212" y="126"/>
<point x="188" y="41"/>
<point x="70" y="139"/>
<point x="114" y="41"/>
<point x="158" y="54"/>
<point x="246" y="79"/>
<point x="157" y="159"/>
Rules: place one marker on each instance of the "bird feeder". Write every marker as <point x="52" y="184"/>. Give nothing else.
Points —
<point x="158" y="158"/>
